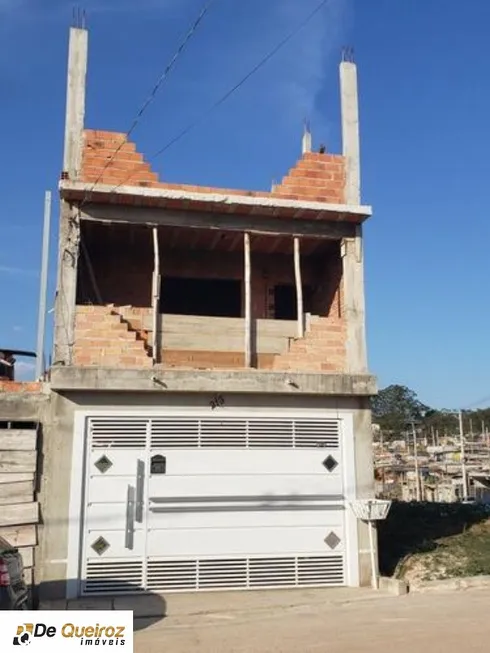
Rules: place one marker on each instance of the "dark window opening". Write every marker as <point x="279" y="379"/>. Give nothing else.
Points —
<point x="213" y="297"/>
<point x="285" y="303"/>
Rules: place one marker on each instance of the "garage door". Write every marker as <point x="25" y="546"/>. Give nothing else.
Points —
<point x="182" y="503"/>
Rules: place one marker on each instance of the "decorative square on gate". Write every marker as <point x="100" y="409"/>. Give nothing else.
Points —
<point x="103" y="464"/>
<point x="100" y="545"/>
<point x="330" y="463"/>
<point x="332" y="540"/>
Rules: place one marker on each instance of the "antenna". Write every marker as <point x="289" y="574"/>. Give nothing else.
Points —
<point x="348" y="53"/>
<point x="79" y="17"/>
<point x="306" y="140"/>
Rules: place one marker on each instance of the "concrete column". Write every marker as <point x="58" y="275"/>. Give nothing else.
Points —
<point x="350" y="131"/>
<point x="352" y="248"/>
<point x="75" y="101"/>
<point x="354" y="305"/>
<point x="69" y="232"/>
<point x="363" y="438"/>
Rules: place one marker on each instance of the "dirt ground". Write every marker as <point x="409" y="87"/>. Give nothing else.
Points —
<point x="334" y="621"/>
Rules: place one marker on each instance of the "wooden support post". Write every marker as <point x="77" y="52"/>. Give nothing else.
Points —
<point x="299" y="288"/>
<point x="155" y="300"/>
<point x="248" y="300"/>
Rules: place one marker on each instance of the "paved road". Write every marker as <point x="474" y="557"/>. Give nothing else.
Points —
<point x="331" y="621"/>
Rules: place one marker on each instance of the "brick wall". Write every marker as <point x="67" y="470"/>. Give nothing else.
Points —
<point x="315" y="177"/>
<point x="116" y="337"/>
<point x="103" y="339"/>
<point x="20" y="386"/>
<point x="124" y="276"/>
<point x="321" y="350"/>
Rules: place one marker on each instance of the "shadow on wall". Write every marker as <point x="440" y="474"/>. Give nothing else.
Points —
<point x="148" y="608"/>
<point x="416" y="527"/>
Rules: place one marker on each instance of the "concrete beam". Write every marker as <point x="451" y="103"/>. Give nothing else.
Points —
<point x="209" y="220"/>
<point x="143" y="380"/>
<point x="231" y="203"/>
<point x="19" y="407"/>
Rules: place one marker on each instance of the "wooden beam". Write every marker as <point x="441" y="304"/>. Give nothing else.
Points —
<point x="16" y="493"/>
<point x="27" y="553"/>
<point x="329" y="230"/>
<point x="155" y="300"/>
<point x="17" y="461"/>
<point x="248" y="300"/>
<point x="29" y="576"/>
<point x="19" y="514"/>
<point x="18" y="439"/>
<point x="16" y="478"/>
<point x="20" y="535"/>
<point x="299" y="288"/>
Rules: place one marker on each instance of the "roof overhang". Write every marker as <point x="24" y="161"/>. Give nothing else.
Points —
<point x="189" y="200"/>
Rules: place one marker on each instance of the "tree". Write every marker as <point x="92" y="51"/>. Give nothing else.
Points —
<point x="395" y="407"/>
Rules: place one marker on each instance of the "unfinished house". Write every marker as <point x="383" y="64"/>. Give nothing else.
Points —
<point x="211" y="419"/>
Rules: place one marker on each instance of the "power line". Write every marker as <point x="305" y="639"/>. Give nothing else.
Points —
<point x="474" y="404"/>
<point x="235" y="88"/>
<point x="152" y="95"/>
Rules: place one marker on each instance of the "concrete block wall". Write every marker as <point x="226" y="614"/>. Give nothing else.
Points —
<point x="316" y="177"/>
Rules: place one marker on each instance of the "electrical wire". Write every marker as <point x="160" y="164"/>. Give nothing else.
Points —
<point x="190" y="33"/>
<point x="233" y="89"/>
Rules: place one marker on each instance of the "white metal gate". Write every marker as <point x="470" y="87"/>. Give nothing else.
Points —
<point x="179" y="503"/>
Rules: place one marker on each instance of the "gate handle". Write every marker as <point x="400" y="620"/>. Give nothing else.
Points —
<point x="130" y="510"/>
<point x="140" y="491"/>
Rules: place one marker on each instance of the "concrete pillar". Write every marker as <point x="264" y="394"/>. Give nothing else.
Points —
<point x="75" y="101"/>
<point x="354" y="305"/>
<point x="350" y="131"/>
<point x="69" y="232"/>
<point x="352" y="248"/>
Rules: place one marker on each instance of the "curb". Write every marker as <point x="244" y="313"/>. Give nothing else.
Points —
<point x="393" y="586"/>
<point x="451" y="584"/>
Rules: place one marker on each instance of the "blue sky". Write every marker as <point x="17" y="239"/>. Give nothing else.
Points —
<point x="425" y="102"/>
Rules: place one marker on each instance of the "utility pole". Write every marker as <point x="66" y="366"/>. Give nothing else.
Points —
<point x="416" y="460"/>
<point x="463" y="462"/>
<point x="433" y="436"/>
<point x="41" y="321"/>
<point x="488" y="447"/>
